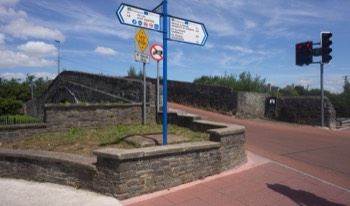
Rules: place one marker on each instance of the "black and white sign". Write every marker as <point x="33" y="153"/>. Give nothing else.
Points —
<point x="156" y="52"/>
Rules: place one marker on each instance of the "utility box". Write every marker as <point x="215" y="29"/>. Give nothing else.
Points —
<point x="270" y="107"/>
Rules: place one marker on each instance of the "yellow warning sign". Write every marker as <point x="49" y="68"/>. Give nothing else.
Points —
<point x="142" y="40"/>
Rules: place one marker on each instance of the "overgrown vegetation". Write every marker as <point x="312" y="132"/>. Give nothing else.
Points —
<point x="341" y="102"/>
<point x="18" y="119"/>
<point x="244" y="82"/>
<point x="132" y="72"/>
<point x="15" y="91"/>
<point x="84" y="142"/>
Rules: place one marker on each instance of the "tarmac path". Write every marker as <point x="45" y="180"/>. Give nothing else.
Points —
<point x="320" y="152"/>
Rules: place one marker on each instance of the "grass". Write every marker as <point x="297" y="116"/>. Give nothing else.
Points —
<point x="18" y="119"/>
<point x="84" y="142"/>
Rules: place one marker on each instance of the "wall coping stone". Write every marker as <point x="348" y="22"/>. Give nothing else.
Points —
<point x="126" y="154"/>
<point x="220" y="128"/>
<point x="23" y="126"/>
<point x="50" y="156"/>
<point x="91" y="106"/>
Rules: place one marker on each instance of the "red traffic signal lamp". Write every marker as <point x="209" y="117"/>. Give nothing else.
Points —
<point x="303" y="53"/>
<point x="326" y="47"/>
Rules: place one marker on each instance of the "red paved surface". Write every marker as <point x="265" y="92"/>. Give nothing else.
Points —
<point x="323" y="153"/>
<point x="319" y="156"/>
<point x="267" y="184"/>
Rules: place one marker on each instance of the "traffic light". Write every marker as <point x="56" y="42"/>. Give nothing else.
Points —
<point x="326" y="47"/>
<point x="303" y="53"/>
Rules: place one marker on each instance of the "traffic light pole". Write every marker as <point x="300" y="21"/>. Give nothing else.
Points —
<point x="322" y="96"/>
<point x="304" y="55"/>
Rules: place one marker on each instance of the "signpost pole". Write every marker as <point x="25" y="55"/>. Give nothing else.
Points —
<point x="165" y="86"/>
<point x="322" y="96"/>
<point x="187" y="32"/>
<point x="157" y="87"/>
<point x="144" y="93"/>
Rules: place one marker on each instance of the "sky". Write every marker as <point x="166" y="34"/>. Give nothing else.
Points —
<point x="243" y="36"/>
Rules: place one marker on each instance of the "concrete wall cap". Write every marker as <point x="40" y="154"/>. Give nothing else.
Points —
<point x="49" y="156"/>
<point x="124" y="154"/>
<point x="222" y="128"/>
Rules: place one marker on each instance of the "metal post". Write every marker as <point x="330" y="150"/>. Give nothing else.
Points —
<point x="157" y="104"/>
<point x="322" y="97"/>
<point x="144" y="94"/>
<point x="32" y="85"/>
<point x="165" y="86"/>
<point x="59" y="56"/>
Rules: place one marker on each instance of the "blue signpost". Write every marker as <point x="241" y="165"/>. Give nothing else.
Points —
<point x="174" y="28"/>
<point x="165" y="73"/>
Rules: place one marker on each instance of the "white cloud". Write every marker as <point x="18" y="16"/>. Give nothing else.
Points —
<point x="84" y="19"/>
<point x="10" y="13"/>
<point x="9" y="75"/>
<point x="21" y="28"/>
<point x="249" y="24"/>
<point x="38" y="48"/>
<point x="8" y="2"/>
<point x="176" y="58"/>
<point x="105" y="51"/>
<point x="2" y="38"/>
<point x="10" y="59"/>
<point x="239" y="49"/>
<point x="35" y="48"/>
<point x="23" y="76"/>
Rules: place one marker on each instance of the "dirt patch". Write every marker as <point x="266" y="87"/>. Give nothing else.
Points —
<point x="154" y="139"/>
<point x="85" y="148"/>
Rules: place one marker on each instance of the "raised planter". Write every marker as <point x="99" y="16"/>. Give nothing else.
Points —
<point x="125" y="173"/>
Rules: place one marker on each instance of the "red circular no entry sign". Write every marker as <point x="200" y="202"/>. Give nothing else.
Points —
<point x="156" y="52"/>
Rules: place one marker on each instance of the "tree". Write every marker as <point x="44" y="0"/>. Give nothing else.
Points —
<point x="245" y="82"/>
<point x="132" y="72"/>
<point x="14" y="91"/>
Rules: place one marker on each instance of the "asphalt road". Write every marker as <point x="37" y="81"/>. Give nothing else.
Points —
<point x="320" y="152"/>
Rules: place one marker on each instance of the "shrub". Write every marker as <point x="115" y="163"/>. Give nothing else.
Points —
<point x="10" y="106"/>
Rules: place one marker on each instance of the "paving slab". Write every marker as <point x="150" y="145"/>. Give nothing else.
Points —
<point x="259" y="182"/>
<point x="148" y="140"/>
<point x="15" y="192"/>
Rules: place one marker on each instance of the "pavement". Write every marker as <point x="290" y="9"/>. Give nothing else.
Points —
<point x="261" y="181"/>
<point x="14" y="192"/>
<point x="258" y="182"/>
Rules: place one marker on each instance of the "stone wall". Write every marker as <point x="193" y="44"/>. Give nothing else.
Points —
<point x="220" y="99"/>
<point x="61" y="168"/>
<point x="12" y="132"/>
<point x="126" y="173"/>
<point x="305" y="110"/>
<point x="65" y="117"/>
<point x="134" y="172"/>
<point x="74" y="87"/>
<point x="251" y="104"/>
<point x="96" y="116"/>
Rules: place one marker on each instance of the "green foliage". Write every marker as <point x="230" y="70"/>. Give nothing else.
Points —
<point x="244" y="82"/>
<point x="132" y="72"/>
<point x="340" y="102"/>
<point x="18" y="119"/>
<point x="15" y="92"/>
<point x="84" y="142"/>
<point x="14" y="89"/>
<point x="10" y="106"/>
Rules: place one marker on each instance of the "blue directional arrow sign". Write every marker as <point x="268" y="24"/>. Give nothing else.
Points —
<point x="187" y="31"/>
<point x="138" y="17"/>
